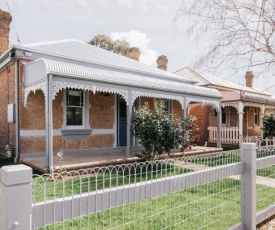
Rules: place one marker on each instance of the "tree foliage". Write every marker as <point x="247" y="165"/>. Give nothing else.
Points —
<point x="269" y="125"/>
<point x="159" y="132"/>
<point x="234" y="30"/>
<point x="105" y="42"/>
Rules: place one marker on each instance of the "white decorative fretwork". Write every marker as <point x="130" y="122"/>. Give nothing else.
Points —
<point x="214" y="103"/>
<point x="59" y="85"/>
<point x="136" y="94"/>
<point x="33" y="88"/>
<point x="231" y="104"/>
<point x="251" y="104"/>
<point x="123" y="92"/>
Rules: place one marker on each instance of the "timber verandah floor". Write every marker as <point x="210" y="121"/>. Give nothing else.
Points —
<point x="77" y="161"/>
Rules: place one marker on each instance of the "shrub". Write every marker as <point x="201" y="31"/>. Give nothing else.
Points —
<point x="159" y="132"/>
<point x="269" y="125"/>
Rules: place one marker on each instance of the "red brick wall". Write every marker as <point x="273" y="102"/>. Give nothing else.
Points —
<point x="32" y="116"/>
<point x="212" y="119"/>
<point x="36" y="144"/>
<point x="7" y="96"/>
<point x="233" y="117"/>
<point x="5" y="20"/>
<point x="200" y="112"/>
<point x="176" y="105"/>
<point x="101" y="116"/>
<point x="177" y="109"/>
<point x="102" y="111"/>
<point x="250" y="128"/>
<point x="150" y="101"/>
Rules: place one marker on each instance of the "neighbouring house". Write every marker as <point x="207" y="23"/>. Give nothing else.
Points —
<point x="243" y="108"/>
<point x="76" y="97"/>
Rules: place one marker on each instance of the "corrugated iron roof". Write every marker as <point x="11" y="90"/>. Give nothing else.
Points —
<point x="257" y="99"/>
<point x="81" y="51"/>
<point x="37" y="71"/>
<point x="204" y="78"/>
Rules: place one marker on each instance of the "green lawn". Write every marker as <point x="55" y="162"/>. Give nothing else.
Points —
<point x="267" y="172"/>
<point x="45" y="188"/>
<point x="226" y="157"/>
<point x="212" y="206"/>
<point x="217" y="159"/>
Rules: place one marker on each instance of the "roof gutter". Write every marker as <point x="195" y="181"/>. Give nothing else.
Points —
<point x="17" y="119"/>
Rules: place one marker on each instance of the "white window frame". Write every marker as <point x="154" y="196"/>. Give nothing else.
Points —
<point x="85" y="111"/>
<point x="169" y="105"/>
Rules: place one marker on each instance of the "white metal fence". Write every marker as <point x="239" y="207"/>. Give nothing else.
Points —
<point x="192" y="192"/>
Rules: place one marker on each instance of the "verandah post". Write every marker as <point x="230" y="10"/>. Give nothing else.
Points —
<point x="248" y="186"/>
<point x="184" y="109"/>
<point x="129" y="125"/>
<point x="49" y="125"/>
<point x="219" y="125"/>
<point x="16" y="197"/>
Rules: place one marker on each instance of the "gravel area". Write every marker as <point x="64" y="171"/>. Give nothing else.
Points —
<point x="268" y="225"/>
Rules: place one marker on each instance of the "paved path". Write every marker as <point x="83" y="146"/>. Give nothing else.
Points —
<point x="269" y="182"/>
<point x="100" y="158"/>
<point x="189" y="165"/>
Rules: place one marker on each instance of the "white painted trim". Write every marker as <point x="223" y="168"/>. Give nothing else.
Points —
<point x="84" y="112"/>
<point x="87" y="109"/>
<point x="57" y="132"/>
<point x="115" y="121"/>
<point x="41" y="85"/>
<point x="103" y="131"/>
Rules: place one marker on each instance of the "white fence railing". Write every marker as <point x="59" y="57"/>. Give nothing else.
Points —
<point x="229" y="135"/>
<point x="186" y="193"/>
<point x="259" y="141"/>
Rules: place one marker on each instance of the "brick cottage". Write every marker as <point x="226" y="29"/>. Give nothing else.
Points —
<point x="77" y="97"/>
<point x="243" y="108"/>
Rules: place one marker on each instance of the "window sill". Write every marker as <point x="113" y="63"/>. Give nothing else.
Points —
<point x="76" y="134"/>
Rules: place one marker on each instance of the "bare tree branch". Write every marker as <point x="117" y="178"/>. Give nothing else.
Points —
<point x="234" y="29"/>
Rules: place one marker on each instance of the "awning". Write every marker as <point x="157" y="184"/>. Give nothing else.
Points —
<point x="257" y="99"/>
<point x="36" y="73"/>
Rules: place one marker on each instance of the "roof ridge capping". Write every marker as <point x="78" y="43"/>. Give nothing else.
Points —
<point x="51" y="42"/>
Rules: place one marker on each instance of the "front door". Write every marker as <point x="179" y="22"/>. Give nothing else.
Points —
<point x="121" y="122"/>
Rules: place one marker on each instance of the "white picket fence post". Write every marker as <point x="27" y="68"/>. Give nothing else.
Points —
<point x="248" y="186"/>
<point x="16" y="197"/>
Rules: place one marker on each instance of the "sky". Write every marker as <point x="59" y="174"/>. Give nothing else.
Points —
<point x="147" y="24"/>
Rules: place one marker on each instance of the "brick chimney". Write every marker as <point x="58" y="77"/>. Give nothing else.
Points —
<point x="162" y="62"/>
<point x="133" y="53"/>
<point x="5" y="20"/>
<point x="249" y="79"/>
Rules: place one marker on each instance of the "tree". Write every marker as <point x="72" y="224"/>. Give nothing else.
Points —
<point x="105" y="42"/>
<point x="159" y="132"/>
<point x="236" y="31"/>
